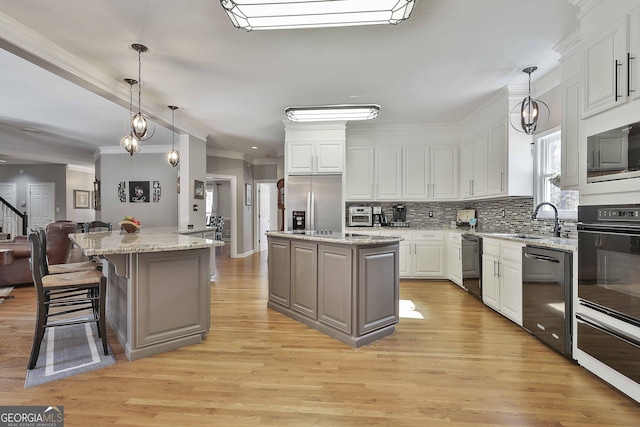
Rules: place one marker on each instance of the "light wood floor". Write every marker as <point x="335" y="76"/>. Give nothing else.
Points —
<point x="462" y="365"/>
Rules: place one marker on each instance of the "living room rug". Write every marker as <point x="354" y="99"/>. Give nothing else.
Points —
<point x="67" y="351"/>
<point x="5" y="292"/>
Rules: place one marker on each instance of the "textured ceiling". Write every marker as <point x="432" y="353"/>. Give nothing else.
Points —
<point x="232" y="86"/>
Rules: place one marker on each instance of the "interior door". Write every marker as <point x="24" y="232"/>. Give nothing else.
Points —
<point x="8" y="193"/>
<point x="267" y="194"/>
<point x="41" y="204"/>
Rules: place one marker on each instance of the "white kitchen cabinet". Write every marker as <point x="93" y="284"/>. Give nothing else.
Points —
<point x="607" y="151"/>
<point x="310" y="157"/>
<point x="570" y="125"/>
<point x="416" y="174"/>
<point x="474" y="166"/>
<point x="444" y="172"/>
<point x="497" y="159"/>
<point x="421" y="254"/>
<point x="605" y="67"/>
<point x="455" y="258"/>
<point x="502" y="277"/>
<point x="388" y="173"/>
<point x="360" y="172"/>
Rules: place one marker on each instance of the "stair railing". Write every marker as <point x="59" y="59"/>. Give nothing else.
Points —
<point x="12" y="220"/>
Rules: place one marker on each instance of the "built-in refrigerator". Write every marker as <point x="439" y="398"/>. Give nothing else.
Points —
<point x="319" y="197"/>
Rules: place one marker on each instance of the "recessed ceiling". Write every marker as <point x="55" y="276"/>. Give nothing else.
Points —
<point x="232" y="86"/>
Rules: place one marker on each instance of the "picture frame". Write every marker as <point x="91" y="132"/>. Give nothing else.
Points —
<point x="198" y="189"/>
<point x="248" y="194"/>
<point x="81" y="199"/>
<point x="97" y="203"/>
<point x="139" y="192"/>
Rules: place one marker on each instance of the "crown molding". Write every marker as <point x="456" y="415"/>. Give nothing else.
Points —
<point x="225" y="154"/>
<point x="569" y="45"/>
<point x="585" y="6"/>
<point x="265" y="161"/>
<point x="29" y="45"/>
<point x="80" y="168"/>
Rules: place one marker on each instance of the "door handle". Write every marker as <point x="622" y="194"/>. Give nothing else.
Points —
<point x="617" y="64"/>
<point x="629" y="58"/>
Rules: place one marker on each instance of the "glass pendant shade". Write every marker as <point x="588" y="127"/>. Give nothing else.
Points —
<point x="252" y="15"/>
<point x="332" y="113"/>
<point x="173" y="156"/>
<point x="529" y="115"/>
<point x="141" y="126"/>
<point x="131" y="144"/>
<point x="533" y="112"/>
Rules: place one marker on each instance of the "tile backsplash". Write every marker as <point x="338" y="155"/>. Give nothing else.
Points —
<point x="508" y="215"/>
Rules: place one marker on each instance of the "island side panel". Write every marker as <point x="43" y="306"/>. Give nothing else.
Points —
<point x="173" y="296"/>
<point x="304" y="278"/>
<point x="378" y="288"/>
<point x="335" y="280"/>
<point x="279" y="271"/>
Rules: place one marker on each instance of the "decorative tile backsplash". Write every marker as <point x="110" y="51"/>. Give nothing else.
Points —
<point x="508" y="215"/>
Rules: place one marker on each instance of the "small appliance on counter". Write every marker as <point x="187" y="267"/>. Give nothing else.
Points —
<point x="466" y="217"/>
<point x="360" y="216"/>
<point x="379" y="218"/>
<point x="399" y="217"/>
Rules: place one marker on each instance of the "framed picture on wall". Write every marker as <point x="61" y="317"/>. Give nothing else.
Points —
<point x="96" y="195"/>
<point x="139" y="191"/>
<point x="248" y="194"/>
<point x="81" y="199"/>
<point x="198" y="189"/>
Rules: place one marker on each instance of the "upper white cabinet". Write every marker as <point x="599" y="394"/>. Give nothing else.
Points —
<point x="402" y="173"/>
<point x="497" y="160"/>
<point x="474" y="166"/>
<point x="310" y="157"/>
<point x="570" y="125"/>
<point x="606" y="66"/>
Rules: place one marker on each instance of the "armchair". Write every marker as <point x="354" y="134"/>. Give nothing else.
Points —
<point x="58" y="249"/>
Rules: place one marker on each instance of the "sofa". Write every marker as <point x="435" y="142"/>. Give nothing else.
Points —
<point x="58" y="249"/>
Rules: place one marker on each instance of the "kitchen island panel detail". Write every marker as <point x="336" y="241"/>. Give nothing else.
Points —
<point x="335" y="286"/>
<point x="379" y="302"/>
<point x="279" y="272"/>
<point x="304" y="278"/>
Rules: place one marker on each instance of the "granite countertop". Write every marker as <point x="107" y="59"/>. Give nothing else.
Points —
<point x="158" y="239"/>
<point x="339" y="238"/>
<point x="546" y="241"/>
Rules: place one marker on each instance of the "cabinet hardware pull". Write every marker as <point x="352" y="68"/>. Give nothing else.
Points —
<point x="629" y="58"/>
<point x="459" y="253"/>
<point x="498" y="269"/>
<point x="501" y="181"/>
<point x="494" y="268"/>
<point x="617" y="64"/>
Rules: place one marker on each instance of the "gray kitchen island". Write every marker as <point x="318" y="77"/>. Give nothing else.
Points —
<point x="158" y="287"/>
<point x="343" y="285"/>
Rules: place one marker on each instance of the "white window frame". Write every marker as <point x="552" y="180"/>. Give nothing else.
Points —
<point x="538" y="187"/>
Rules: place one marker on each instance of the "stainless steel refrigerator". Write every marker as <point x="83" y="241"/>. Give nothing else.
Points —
<point x="319" y="197"/>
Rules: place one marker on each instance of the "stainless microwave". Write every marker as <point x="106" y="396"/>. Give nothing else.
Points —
<point x="614" y="154"/>
<point x="360" y="216"/>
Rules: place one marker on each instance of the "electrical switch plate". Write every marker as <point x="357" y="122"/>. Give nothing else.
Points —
<point x="430" y="214"/>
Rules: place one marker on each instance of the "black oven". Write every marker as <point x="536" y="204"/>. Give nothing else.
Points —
<point x="608" y="312"/>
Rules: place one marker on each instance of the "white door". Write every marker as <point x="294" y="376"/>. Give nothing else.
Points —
<point x="8" y="193"/>
<point x="41" y="204"/>
<point x="266" y="192"/>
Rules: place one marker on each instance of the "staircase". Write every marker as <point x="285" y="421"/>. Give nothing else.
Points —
<point x="12" y="222"/>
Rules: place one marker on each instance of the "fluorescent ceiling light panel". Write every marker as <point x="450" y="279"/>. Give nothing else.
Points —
<point x="285" y="14"/>
<point x="325" y="113"/>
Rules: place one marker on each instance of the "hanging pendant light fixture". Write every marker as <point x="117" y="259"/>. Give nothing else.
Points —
<point x="142" y="127"/>
<point x="173" y="156"/>
<point x="533" y="112"/>
<point x="130" y="142"/>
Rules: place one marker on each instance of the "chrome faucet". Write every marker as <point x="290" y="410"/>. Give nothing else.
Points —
<point x="556" y="226"/>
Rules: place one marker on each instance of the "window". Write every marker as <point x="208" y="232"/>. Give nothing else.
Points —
<point x="547" y="167"/>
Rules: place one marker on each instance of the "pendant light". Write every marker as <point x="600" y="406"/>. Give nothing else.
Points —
<point x="129" y="142"/>
<point x="142" y="127"/>
<point x="173" y="157"/>
<point x="531" y="110"/>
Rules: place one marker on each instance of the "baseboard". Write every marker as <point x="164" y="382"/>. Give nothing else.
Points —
<point x="246" y="254"/>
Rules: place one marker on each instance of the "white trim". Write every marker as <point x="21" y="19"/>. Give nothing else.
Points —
<point x="146" y="149"/>
<point x="80" y="168"/>
<point x="225" y="154"/>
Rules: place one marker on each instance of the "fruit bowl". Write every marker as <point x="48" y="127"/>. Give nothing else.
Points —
<point x="129" y="226"/>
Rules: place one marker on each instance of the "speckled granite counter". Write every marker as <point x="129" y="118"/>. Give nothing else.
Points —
<point x="545" y="241"/>
<point x="344" y="285"/>
<point x="337" y="238"/>
<point x="159" y="287"/>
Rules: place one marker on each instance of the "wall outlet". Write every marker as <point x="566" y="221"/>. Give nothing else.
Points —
<point x="504" y="213"/>
<point x="430" y="214"/>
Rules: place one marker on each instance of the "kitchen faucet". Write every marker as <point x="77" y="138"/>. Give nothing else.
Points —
<point x="556" y="226"/>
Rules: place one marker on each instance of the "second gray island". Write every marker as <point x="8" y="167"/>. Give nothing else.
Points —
<point x="344" y="285"/>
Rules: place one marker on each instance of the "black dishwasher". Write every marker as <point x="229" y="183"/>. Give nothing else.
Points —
<point x="547" y="296"/>
<point x="472" y="264"/>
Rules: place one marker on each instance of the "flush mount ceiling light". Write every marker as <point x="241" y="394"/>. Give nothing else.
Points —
<point x="322" y="113"/>
<point x="531" y="115"/>
<point x="252" y="15"/>
<point x="173" y="157"/>
<point x="142" y="127"/>
<point x="130" y="142"/>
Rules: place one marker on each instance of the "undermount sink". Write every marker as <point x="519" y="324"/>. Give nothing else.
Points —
<point x="517" y="235"/>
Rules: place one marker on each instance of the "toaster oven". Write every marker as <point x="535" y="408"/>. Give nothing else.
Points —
<point x="360" y="216"/>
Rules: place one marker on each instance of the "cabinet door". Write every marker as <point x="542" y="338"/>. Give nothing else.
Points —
<point x="378" y="288"/>
<point x="416" y="174"/>
<point x="570" y="125"/>
<point x="329" y="157"/>
<point x="497" y="160"/>
<point x="480" y="165"/>
<point x="604" y="68"/>
<point x="634" y="51"/>
<point x="428" y="259"/>
<point x="300" y="157"/>
<point x="491" y="281"/>
<point x="360" y="173"/>
<point x="388" y="174"/>
<point x="404" y="258"/>
<point x="279" y="272"/>
<point x="611" y="151"/>
<point x="304" y="278"/>
<point x="335" y="282"/>
<point x="444" y="172"/>
<point x="466" y="169"/>
<point x="455" y="263"/>
<point x="511" y="291"/>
